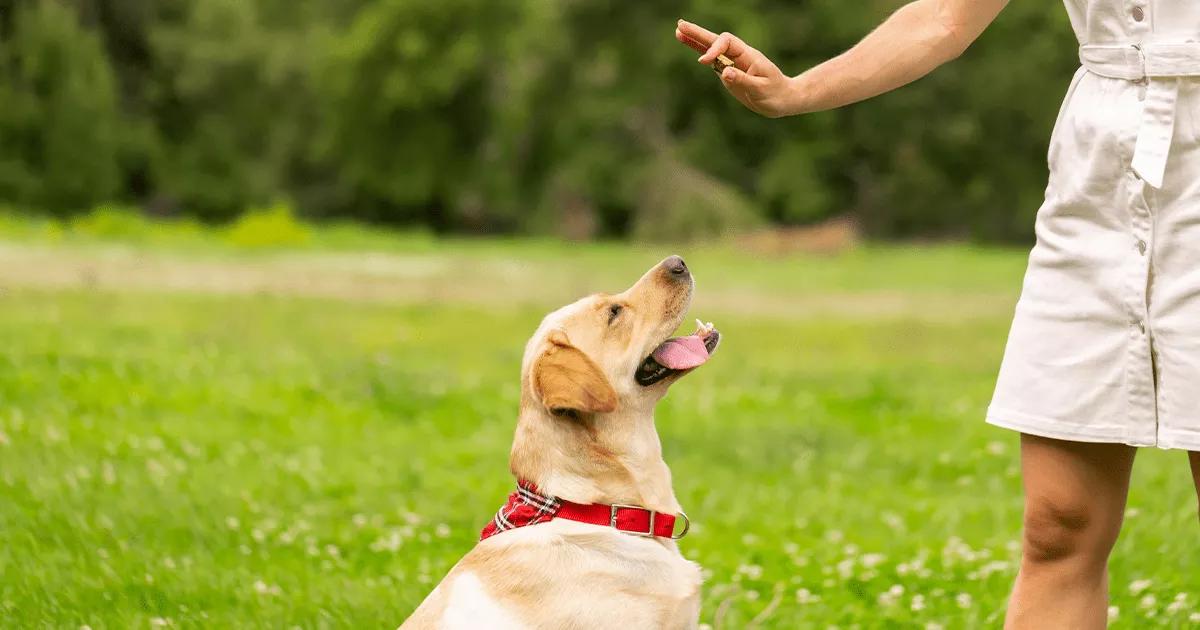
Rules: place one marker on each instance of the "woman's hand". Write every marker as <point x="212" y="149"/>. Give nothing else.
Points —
<point x="753" y="79"/>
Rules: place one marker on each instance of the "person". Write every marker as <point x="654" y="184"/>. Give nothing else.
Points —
<point x="1104" y="351"/>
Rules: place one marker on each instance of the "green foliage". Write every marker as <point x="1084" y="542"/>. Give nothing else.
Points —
<point x="273" y="226"/>
<point x="511" y="116"/>
<point x="269" y="461"/>
<point x="58" y="114"/>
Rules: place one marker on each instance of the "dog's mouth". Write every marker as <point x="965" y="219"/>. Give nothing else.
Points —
<point x="678" y="354"/>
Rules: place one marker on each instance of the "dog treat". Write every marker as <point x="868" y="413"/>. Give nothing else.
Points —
<point x="720" y="63"/>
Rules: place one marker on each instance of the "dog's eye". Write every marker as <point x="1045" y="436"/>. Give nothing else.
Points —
<point x="613" y="312"/>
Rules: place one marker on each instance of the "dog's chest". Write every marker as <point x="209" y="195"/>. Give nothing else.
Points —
<point x="560" y="574"/>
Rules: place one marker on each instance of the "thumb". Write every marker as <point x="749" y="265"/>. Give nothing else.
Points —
<point x="731" y="76"/>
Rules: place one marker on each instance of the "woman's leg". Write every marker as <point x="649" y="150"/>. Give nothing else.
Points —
<point x="1194" y="458"/>
<point x="1074" y="502"/>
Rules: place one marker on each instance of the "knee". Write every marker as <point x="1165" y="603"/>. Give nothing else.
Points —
<point x="1057" y="531"/>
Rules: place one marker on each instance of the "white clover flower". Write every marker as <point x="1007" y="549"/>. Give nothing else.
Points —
<point x="918" y="603"/>
<point x="232" y="522"/>
<point x="1148" y="601"/>
<point x="442" y="530"/>
<point x="752" y="571"/>
<point x="1137" y="586"/>
<point x="845" y="568"/>
<point x="1113" y="613"/>
<point x="262" y="588"/>
<point x="872" y="560"/>
<point x="803" y="596"/>
<point x="891" y="596"/>
<point x="963" y="600"/>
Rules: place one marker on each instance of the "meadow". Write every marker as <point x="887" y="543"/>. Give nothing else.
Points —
<point x="203" y="430"/>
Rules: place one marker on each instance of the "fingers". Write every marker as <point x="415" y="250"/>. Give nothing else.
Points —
<point x="729" y="45"/>
<point x="691" y="43"/>
<point x="696" y="33"/>
<point x="736" y="78"/>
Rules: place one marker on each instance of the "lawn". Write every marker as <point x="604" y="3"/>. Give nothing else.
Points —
<point x="202" y="435"/>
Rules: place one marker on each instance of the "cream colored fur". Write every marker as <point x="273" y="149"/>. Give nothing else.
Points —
<point x="586" y="434"/>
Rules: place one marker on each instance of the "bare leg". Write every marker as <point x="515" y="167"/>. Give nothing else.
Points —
<point x="1074" y="503"/>
<point x="1194" y="458"/>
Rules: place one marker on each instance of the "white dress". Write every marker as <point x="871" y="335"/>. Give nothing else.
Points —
<point x="1105" y="342"/>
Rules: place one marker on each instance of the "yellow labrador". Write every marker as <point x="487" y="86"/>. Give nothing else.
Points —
<point x="588" y="538"/>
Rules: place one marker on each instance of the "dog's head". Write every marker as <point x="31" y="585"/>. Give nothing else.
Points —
<point x="610" y="353"/>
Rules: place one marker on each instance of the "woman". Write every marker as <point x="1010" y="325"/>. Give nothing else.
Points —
<point x="1104" y="353"/>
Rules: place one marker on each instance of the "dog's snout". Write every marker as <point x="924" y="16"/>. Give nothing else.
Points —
<point x="676" y="268"/>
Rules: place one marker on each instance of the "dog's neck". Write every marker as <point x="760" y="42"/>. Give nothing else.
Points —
<point x="601" y="458"/>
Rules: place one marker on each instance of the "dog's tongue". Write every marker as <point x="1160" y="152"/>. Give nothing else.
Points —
<point x="682" y="353"/>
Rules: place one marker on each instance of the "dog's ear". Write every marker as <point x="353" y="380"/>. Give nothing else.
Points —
<point x="569" y="382"/>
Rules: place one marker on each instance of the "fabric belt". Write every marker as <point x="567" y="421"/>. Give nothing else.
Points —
<point x="1159" y="68"/>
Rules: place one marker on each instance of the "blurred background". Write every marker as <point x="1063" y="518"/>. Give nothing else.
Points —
<point x="580" y="119"/>
<point x="267" y="268"/>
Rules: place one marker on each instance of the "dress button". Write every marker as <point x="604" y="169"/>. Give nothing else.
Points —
<point x="1141" y="246"/>
<point x="1139" y="14"/>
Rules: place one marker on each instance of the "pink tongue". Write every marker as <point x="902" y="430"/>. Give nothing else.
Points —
<point x="682" y="353"/>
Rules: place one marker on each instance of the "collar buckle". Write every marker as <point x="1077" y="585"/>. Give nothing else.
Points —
<point x="612" y="520"/>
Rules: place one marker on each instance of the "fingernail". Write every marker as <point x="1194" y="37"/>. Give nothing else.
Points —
<point x="727" y="74"/>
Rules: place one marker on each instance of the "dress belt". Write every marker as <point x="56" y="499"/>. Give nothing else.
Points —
<point x="1159" y="68"/>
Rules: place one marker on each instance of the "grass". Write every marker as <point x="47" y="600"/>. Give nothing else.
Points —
<point x="182" y="452"/>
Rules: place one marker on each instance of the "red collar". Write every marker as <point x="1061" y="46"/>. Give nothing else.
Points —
<point x="528" y="506"/>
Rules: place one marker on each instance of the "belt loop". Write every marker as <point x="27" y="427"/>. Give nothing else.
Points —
<point x="1142" y="69"/>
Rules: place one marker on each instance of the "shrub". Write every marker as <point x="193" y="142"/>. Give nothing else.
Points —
<point x="273" y="226"/>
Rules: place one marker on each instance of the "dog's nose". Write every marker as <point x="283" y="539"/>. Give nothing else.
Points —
<point x="676" y="267"/>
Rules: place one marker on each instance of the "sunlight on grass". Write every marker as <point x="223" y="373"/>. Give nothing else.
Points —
<point x="208" y="459"/>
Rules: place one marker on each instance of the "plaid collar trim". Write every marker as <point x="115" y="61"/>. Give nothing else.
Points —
<point x="526" y="506"/>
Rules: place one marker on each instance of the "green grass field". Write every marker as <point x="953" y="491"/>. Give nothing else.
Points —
<point x="209" y="436"/>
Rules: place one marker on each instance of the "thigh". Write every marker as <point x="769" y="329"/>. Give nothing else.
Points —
<point x="1075" y="485"/>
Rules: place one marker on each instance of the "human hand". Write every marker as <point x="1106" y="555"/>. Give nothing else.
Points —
<point x="754" y="80"/>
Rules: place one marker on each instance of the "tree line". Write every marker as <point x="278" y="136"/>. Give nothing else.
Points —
<point x="581" y="118"/>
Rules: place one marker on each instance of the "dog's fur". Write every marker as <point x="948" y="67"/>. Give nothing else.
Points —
<point x="586" y="434"/>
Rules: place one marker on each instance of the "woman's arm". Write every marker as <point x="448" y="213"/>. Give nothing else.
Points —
<point x="917" y="38"/>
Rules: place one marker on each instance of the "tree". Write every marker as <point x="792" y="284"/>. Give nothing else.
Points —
<point x="59" y="123"/>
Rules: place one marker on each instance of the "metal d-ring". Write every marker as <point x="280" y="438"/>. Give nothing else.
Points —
<point x="687" y="525"/>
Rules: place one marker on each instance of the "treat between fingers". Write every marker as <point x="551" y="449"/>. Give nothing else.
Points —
<point x="720" y="63"/>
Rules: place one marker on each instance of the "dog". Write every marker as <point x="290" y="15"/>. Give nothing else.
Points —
<point x="588" y="538"/>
